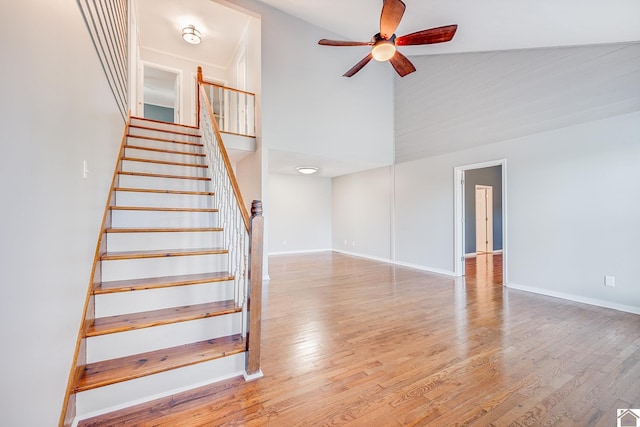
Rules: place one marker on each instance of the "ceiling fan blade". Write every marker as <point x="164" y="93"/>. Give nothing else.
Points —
<point x="433" y="35"/>
<point x="327" y="42"/>
<point x="392" y="11"/>
<point x="358" y="66"/>
<point x="401" y="64"/>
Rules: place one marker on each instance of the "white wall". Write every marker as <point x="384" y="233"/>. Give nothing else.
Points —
<point x="572" y="210"/>
<point x="57" y="110"/>
<point x="361" y="218"/>
<point x="299" y="213"/>
<point x="308" y="107"/>
<point x="188" y="70"/>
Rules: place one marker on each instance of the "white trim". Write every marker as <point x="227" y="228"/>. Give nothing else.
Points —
<point x="458" y="221"/>
<point x="475" y="254"/>
<point x="184" y="58"/>
<point x="375" y="258"/>
<point x="252" y="377"/>
<point x="306" y="251"/>
<point x="402" y="264"/>
<point x="359" y="255"/>
<point x="575" y="298"/>
<point x="179" y="104"/>
<point x="426" y="268"/>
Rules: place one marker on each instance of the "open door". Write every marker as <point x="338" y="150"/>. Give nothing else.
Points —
<point x="161" y="94"/>
<point x="490" y="217"/>
<point x="484" y="219"/>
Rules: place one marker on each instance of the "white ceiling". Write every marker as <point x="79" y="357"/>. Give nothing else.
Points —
<point x="488" y="26"/>
<point x="160" y="24"/>
<point x="482" y="25"/>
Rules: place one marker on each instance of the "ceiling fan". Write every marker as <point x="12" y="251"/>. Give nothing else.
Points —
<point x="384" y="44"/>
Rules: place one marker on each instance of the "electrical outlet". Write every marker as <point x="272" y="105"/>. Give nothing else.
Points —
<point x="85" y="169"/>
<point x="610" y="281"/>
<point x="284" y="243"/>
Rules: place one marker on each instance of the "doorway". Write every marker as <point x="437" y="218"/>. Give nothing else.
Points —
<point x="484" y="218"/>
<point x="480" y="216"/>
<point x="161" y="93"/>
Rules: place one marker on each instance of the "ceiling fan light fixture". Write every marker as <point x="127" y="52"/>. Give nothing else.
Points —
<point x="307" y="170"/>
<point x="191" y="35"/>
<point x="383" y="50"/>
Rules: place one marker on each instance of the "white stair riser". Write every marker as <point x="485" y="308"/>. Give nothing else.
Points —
<point x="164" y="145"/>
<point x="118" y="242"/>
<point x="155" y="299"/>
<point x="156" y="219"/>
<point x="158" y="168"/>
<point x="164" y="126"/>
<point x="161" y="267"/>
<point x="163" y="135"/>
<point x="167" y="157"/>
<point x="154" y="183"/>
<point x="122" y="344"/>
<point x="117" y="396"/>
<point x="163" y="200"/>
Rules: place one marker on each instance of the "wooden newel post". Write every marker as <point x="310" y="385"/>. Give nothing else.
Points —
<point x="254" y="303"/>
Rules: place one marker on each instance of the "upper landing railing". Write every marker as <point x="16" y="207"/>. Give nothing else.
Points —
<point x="234" y="110"/>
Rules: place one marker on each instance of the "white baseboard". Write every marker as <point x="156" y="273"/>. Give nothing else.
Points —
<point x="359" y="255"/>
<point x="427" y="268"/>
<point x="474" y="254"/>
<point x="306" y="251"/>
<point x="403" y="264"/>
<point x="575" y="298"/>
<point x="252" y="377"/>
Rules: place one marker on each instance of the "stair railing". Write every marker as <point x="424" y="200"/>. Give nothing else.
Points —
<point x="233" y="109"/>
<point x="240" y="233"/>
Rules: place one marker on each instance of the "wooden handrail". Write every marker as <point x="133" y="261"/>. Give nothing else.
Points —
<point x="202" y="80"/>
<point x="227" y="88"/>
<point x="225" y="157"/>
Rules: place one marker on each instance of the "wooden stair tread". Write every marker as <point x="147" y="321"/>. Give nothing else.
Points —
<point x="165" y="316"/>
<point x="161" y="209"/>
<point x="164" y="162"/>
<point x="113" y="371"/>
<point x="161" y="282"/>
<point x="160" y="150"/>
<point x="163" y="230"/>
<point x="153" y="138"/>
<point x="164" y="130"/>
<point x="153" y="190"/>
<point x="162" y="253"/>
<point x="160" y="175"/>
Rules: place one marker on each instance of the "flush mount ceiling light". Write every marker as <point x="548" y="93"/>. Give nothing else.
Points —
<point x="191" y="35"/>
<point x="307" y="170"/>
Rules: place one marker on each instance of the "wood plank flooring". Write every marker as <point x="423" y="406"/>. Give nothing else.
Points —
<point x="352" y="341"/>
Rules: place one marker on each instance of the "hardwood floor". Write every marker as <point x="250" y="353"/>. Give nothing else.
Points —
<point x="352" y="341"/>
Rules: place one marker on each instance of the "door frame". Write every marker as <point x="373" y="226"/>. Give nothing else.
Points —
<point x="178" y="104"/>
<point x="459" y="219"/>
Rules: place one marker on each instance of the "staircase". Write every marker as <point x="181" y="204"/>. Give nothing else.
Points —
<point x="165" y="313"/>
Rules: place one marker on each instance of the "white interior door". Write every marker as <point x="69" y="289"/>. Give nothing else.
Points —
<point x="484" y="219"/>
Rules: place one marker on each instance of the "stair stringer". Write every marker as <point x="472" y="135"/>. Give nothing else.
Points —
<point x="84" y="404"/>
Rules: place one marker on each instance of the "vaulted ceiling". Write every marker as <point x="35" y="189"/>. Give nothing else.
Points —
<point x="482" y="25"/>
<point x="525" y="53"/>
